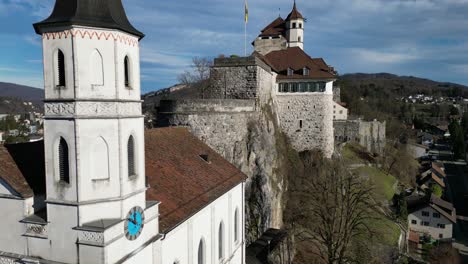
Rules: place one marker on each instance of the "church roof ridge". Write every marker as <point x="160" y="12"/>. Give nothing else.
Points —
<point x="108" y="14"/>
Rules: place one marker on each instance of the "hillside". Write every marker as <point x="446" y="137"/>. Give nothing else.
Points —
<point x="25" y="93"/>
<point x="399" y="86"/>
<point x="16" y="98"/>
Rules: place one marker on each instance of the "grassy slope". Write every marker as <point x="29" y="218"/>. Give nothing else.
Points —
<point x="387" y="231"/>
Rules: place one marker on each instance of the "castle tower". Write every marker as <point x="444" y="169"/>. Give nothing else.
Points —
<point x="295" y="28"/>
<point x="93" y="129"/>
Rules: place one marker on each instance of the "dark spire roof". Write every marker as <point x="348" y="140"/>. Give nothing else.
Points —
<point x="92" y="13"/>
<point x="294" y="13"/>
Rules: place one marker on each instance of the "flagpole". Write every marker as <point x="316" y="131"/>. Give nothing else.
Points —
<point x="245" y="40"/>
<point x="246" y="19"/>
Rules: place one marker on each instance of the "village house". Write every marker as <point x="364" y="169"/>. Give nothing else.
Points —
<point x="430" y="216"/>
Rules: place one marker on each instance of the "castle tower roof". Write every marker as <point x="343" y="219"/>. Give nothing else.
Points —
<point x="294" y="14"/>
<point x="92" y="13"/>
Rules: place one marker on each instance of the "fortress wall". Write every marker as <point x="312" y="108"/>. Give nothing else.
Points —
<point x="306" y="119"/>
<point x="222" y="124"/>
<point x="370" y="135"/>
<point x="236" y="78"/>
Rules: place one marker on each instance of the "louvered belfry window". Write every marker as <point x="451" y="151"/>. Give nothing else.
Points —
<point x="63" y="160"/>
<point x="60" y="69"/>
<point x="131" y="156"/>
<point x="127" y="71"/>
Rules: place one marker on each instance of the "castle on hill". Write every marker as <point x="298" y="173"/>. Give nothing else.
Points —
<point x="279" y="74"/>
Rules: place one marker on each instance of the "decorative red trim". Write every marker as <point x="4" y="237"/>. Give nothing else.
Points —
<point x="83" y="33"/>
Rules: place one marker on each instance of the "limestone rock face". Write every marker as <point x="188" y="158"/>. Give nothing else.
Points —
<point x="249" y="139"/>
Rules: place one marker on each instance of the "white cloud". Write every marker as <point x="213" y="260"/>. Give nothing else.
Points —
<point x="372" y="56"/>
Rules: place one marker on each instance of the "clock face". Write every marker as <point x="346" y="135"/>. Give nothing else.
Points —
<point x="134" y="223"/>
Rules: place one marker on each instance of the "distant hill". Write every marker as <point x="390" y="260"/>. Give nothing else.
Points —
<point x="22" y="92"/>
<point x="16" y="98"/>
<point x="403" y="85"/>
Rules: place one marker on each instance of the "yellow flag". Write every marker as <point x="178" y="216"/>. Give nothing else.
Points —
<point x="246" y="18"/>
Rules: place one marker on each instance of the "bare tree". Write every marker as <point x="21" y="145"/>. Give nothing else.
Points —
<point x="330" y="207"/>
<point x="200" y="71"/>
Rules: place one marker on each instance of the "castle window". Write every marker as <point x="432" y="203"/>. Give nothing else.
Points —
<point x="300" y="124"/>
<point x="60" y="67"/>
<point x="127" y="72"/>
<point x="300" y="25"/>
<point x="131" y="156"/>
<point x="299" y="39"/>
<point x="302" y="87"/>
<point x="290" y="72"/>
<point x="221" y="241"/>
<point x="63" y="161"/>
<point x="321" y="86"/>
<point x="293" y="25"/>
<point x="306" y="71"/>
<point x="201" y="252"/>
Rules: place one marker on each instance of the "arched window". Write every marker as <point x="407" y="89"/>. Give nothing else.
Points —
<point x="127" y="72"/>
<point x="221" y="241"/>
<point x="60" y="68"/>
<point x="236" y="225"/>
<point x="299" y="39"/>
<point x="63" y="161"/>
<point x="96" y="69"/>
<point x="201" y="252"/>
<point x="131" y="156"/>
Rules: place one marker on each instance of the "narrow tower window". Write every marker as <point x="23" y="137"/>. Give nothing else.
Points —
<point x="299" y="39"/>
<point x="201" y="252"/>
<point x="63" y="160"/>
<point x="60" y="78"/>
<point x="131" y="156"/>
<point x="293" y="25"/>
<point x="236" y="225"/>
<point x="127" y="71"/>
<point x="221" y="241"/>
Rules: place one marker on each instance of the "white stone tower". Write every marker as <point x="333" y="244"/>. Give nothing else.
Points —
<point x="295" y="28"/>
<point x="93" y="129"/>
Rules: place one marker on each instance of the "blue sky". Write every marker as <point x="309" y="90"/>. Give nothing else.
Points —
<point x="424" y="38"/>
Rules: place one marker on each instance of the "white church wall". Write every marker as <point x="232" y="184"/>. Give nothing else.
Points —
<point x="205" y="225"/>
<point x="50" y="48"/>
<point x="5" y="189"/>
<point x="134" y="127"/>
<point x="124" y="48"/>
<point x="114" y="252"/>
<point x="60" y="245"/>
<point x="11" y="230"/>
<point x="93" y="185"/>
<point x="95" y="80"/>
<point x="53" y="131"/>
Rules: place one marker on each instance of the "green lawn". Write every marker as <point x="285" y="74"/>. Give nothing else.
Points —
<point x="383" y="183"/>
<point x="387" y="231"/>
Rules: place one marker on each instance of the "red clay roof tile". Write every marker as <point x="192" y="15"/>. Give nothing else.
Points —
<point x="180" y="179"/>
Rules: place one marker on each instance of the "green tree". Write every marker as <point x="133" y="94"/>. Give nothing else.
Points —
<point x="458" y="140"/>
<point x="464" y="123"/>
<point x="437" y="190"/>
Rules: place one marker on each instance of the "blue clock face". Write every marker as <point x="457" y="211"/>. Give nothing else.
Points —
<point x="134" y="223"/>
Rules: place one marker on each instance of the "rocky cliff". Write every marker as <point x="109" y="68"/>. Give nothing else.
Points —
<point x="250" y="139"/>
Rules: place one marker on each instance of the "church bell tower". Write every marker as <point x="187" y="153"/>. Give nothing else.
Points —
<point x="93" y="128"/>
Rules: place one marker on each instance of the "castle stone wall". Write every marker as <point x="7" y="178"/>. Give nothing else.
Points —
<point x="236" y="78"/>
<point x="370" y="135"/>
<point x="307" y="120"/>
<point x="222" y="124"/>
<point x="265" y="46"/>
